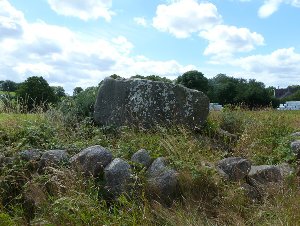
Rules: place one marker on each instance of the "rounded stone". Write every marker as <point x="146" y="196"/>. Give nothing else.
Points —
<point x="142" y="157"/>
<point x="117" y="176"/>
<point x="234" y="168"/>
<point x="92" y="160"/>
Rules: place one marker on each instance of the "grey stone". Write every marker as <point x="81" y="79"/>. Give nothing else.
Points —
<point x="146" y="104"/>
<point x="296" y="134"/>
<point x="234" y="168"/>
<point x="285" y="170"/>
<point x="53" y="158"/>
<point x="162" y="182"/>
<point x="92" y="160"/>
<point x="141" y="157"/>
<point x="253" y="192"/>
<point x="31" y="155"/>
<point x="295" y="146"/>
<point x="157" y="167"/>
<point x="6" y="161"/>
<point x="117" y="176"/>
<point x="265" y="174"/>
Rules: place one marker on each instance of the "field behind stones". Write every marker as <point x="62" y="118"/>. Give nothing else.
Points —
<point x="60" y="196"/>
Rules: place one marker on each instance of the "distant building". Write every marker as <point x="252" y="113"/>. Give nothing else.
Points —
<point x="215" y="107"/>
<point x="290" y="105"/>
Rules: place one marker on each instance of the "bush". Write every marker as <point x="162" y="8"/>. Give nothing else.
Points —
<point x="35" y="91"/>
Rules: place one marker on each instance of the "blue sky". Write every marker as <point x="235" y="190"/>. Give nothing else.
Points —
<point x="78" y="43"/>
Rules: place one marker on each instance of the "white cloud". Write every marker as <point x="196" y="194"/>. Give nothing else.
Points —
<point x="281" y="61"/>
<point x="279" y="67"/>
<point x="140" y="21"/>
<point x="85" y="10"/>
<point x="268" y="8"/>
<point x="11" y="21"/>
<point x="225" y="40"/>
<point x="182" y="18"/>
<point x="271" y="6"/>
<point x="65" y="58"/>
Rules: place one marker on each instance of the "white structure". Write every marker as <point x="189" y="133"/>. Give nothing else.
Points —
<point x="290" y="105"/>
<point x="215" y="107"/>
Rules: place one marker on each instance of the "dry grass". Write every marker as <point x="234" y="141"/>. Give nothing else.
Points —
<point x="206" y="199"/>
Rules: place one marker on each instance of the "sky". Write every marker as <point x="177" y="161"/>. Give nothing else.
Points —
<point x="75" y="43"/>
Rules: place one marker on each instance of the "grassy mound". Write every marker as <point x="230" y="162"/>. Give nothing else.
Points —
<point x="64" y="198"/>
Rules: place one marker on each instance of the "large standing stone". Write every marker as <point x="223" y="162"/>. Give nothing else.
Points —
<point x="117" y="176"/>
<point x="149" y="103"/>
<point x="53" y="158"/>
<point x="91" y="160"/>
<point x="234" y="168"/>
<point x="162" y="181"/>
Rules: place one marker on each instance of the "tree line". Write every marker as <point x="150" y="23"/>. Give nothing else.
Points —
<point x="222" y="89"/>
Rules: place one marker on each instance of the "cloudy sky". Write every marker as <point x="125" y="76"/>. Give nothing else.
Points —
<point x="79" y="42"/>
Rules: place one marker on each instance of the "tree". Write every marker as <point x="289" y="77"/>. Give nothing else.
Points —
<point x="59" y="92"/>
<point x="194" y="80"/>
<point x="77" y="90"/>
<point x="8" y="86"/>
<point x="35" y="91"/>
<point x="115" y="76"/>
<point x="153" y="78"/>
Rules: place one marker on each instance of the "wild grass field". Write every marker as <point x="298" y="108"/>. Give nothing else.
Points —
<point x="65" y="198"/>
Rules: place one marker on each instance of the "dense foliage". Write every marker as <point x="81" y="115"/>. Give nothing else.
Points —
<point x="234" y="91"/>
<point x="35" y="91"/>
<point x="193" y="80"/>
<point x="8" y="86"/>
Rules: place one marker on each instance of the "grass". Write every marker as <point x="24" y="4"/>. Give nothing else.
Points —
<point x="206" y="199"/>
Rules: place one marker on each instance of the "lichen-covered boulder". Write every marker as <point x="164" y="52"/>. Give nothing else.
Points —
<point x="117" y="176"/>
<point x="92" y="160"/>
<point x="141" y="157"/>
<point x="234" y="168"/>
<point x="147" y="104"/>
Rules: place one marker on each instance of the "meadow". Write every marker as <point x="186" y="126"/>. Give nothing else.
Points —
<point x="65" y="198"/>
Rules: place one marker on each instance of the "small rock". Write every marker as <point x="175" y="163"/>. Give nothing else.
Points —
<point x="162" y="181"/>
<point x="265" y="174"/>
<point x="295" y="146"/>
<point x="252" y="192"/>
<point x="234" y="168"/>
<point x="117" y="176"/>
<point x="6" y="161"/>
<point x="157" y="167"/>
<point x="31" y="155"/>
<point x="91" y="160"/>
<point x="142" y="157"/>
<point x="1" y="159"/>
<point x="53" y="158"/>
<point x="285" y="170"/>
<point x="296" y="134"/>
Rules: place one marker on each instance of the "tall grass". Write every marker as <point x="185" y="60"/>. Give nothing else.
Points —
<point x="206" y="199"/>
